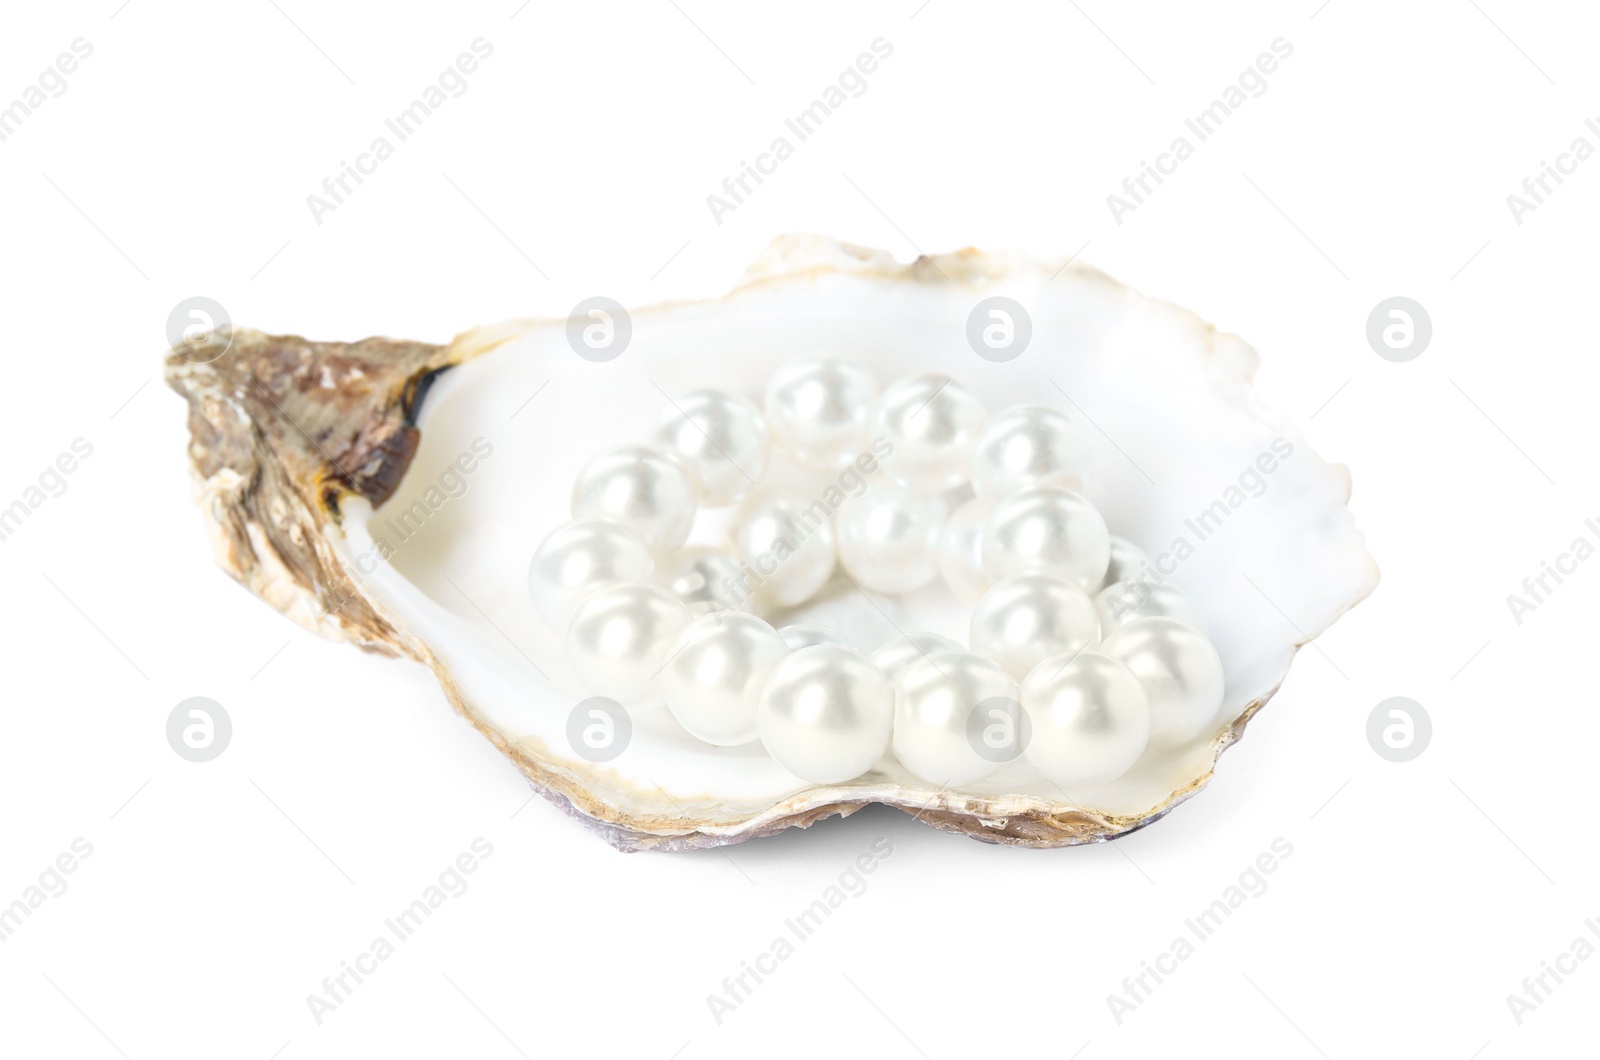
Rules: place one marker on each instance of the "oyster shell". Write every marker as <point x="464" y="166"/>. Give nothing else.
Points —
<point x="318" y="464"/>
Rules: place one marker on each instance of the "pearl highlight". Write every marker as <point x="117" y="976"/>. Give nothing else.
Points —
<point x="642" y="488"/>
<point x="577" y="559"/>
<point x="621" y="636"/>
<point x="1180" y="671"/>
<point x="720" y="440"/>
<point x="826" y="714"/>
<point x="817" y="410"/>
<point x="1026" y="619"/>
<point x="712" y="681"/>
<point x="1049" y="529"/>
<point x="1029" y="446"/>
<point x="1090" y="719"/>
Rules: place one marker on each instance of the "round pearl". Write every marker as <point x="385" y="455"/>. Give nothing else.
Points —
<point x="1122" y="602"/>
<point x="932" y="421"/>
<point x="580" y="557"/>
<point x="945" y="707"/>
<point x="801" y="635"/>
<point x="713" y="680"/>
<point x="817" y="410"/>
<point x="621" y="636"/>
<point x="787" y="545"/>
<point x="901" y="650"/>
<point x="889" y="540"/>
<point x="1128" y="562"/>
<point x="1180" y="671"/>
<point x="961" y="552"/>
<point x="1029" y="446"/>
<point x="706" y="579"/>
<point x="826" y="714"/>
<point x="640" y="487"/>
<point x="1090" y="719"/>
<point x="1027" y="618"/>
<point x="1049" y="529"/>
<point x="721" y="442"/>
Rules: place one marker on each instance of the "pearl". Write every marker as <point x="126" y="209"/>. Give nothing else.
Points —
<point x="1027" y="618"/>
<point x="787" y="545"/>
<point x="1127" y="563"/>
<point x="802" y="635"/>
<point x="576" y="559"/>
<point x="900" y="651"/>
<point x="720" y="440"/>
<point x="956" y="718"/>
<point x="932" y="421"/>
<point x="1122" y="602"/>
<point x="713" y="679"/>
<point x="621" y="636"/>
<point x="1089" y="719"/>
<point x="961" y="552"/>
<point x="817" y="410"/>
<point x="889" y="540"/>
<point x="1029" y="446"/>
<point x="826" y="714"/>
<point x="1180" y="671"/>
<point x="706" y="579"/>
<point x="642" y="488"/>
<point x="1049" y="529"/>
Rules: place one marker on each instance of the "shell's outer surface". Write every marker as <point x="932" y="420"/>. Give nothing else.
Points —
<point x="296" y="446"/>
<point x="279" y="428"/>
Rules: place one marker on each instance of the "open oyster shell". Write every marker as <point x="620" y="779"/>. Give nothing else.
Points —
<point x="390" y="494"/>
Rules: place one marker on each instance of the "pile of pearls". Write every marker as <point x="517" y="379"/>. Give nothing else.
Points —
<point x="1077" y="659"/>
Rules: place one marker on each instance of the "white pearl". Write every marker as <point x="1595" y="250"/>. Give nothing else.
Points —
<point x="1029" y="446"/>
<point x="961" y="552"/>
<point x="826" y="714"/>
<point x="706" y="579"/>
<point x="580" y="557"/>
<point x="713" y="679"/>
<point x="817" y="410"/>
<point x="1027" y="618"/>
<point x="1180" y="671"/>
<point x="1049" y="529"/>
<point x="932" y="421"/>
<point x="1122" y="602"/>
<point x="1089" y="719"/>
<point x="642" y="488"/>
<point x="805" y="635"/>
<point x="903" y="649"/>
<point x="1128" y="562"/>
<point x="889" y="539"/>
<point x="788" y="546"/>
<point x="956" y="718"/>
<point x="720" y="439"/>
<point x="621" y="636"/>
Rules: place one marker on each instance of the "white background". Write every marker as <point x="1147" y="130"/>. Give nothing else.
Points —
<point x="1418" y="895"/>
